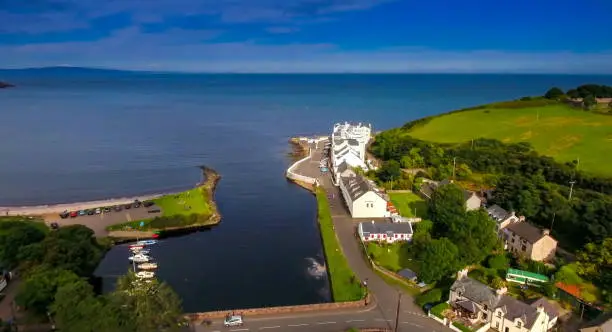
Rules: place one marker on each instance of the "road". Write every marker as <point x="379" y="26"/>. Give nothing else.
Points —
<point x="387" y="297"/>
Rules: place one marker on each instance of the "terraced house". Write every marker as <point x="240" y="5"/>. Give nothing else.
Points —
<point x="348" y="147"/>
<point x="479" y="306"/>
<point x="361" y="196"/>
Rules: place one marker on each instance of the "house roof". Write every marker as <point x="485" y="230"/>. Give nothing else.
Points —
<point x="356" y="186"/>
<point x="526" y="231"/>
<point x="353" y="142"/>
<point x="385" y="228"/>
<point x="408" y="274"/>
<point x="573" y="290"/>
<point x="467" y="305"/>
<point x="498" y="213"/>
<point x="429" y="187"/>
<point x="475" y="291"/>
<point x="343" y="166"/>
<point x="550" y="310"/>
<point x="514" y="309"/>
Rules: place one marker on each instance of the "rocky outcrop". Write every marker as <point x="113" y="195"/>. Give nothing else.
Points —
<point x="5" y="85"/>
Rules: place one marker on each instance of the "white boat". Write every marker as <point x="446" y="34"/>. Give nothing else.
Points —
<point x="145" y="274"/>
<point x="136" y="246"/>
<point x="146" y="242"/>
<point x="140" y="251"/>
<point x="148" y="266"/>
<point x="139" y="258"/>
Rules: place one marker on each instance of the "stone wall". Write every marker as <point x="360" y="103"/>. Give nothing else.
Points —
<point x="280" y="310"/>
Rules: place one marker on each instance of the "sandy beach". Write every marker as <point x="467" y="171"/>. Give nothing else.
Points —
<point x="42" y="210"/>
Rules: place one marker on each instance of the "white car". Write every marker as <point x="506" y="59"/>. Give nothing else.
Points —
<point x="235" y="320"/>
<point x="98" y="211"/>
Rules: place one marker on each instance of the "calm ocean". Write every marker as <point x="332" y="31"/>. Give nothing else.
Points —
<point x="73" y="138"/>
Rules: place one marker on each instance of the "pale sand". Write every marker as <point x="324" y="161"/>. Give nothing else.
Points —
<point x="42" y="210"/>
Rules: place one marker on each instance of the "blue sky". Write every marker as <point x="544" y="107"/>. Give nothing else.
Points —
<point x="542" y="36"/>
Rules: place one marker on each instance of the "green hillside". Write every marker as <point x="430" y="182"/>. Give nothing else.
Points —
<point x="557" y="130"/>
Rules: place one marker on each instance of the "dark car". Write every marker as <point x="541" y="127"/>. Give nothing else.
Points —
<point x="64" y="215"/>
<point x="154" y="210"/>
<point x="118" y="208"/>
<point x="136" y="204"/>
<point x="148" y="204"/>
<point x="107" y="209"/>
<point x="74" y="214"/>
<point x="54" y="225"/>
<point x="90" y="212"/>
<point x="127" y="206"/>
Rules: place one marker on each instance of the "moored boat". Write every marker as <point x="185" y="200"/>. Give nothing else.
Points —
<point x="146" y="242"/>
<point x="145" y="274"/>
<point x="140" y="251"/>
<point x="139" y="258"/>
<point x="148" y="266"/>
<point x="136" y="246"/>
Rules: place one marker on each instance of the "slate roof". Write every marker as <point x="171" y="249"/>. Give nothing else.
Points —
<point x="498" y="213"/>
<point x="385" y="228"/>
<point x="356" y="186"/>
<point x="408" y="273"/>
<point x="480" y="293"/>
<point x="353" y="142"/>
<point x="343" y="166"/>
<point x="467" y="305"/>
<point x="548" y="308"/>
<point x="526" y="231"/>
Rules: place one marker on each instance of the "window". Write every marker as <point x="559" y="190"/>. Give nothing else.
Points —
<point x="524" y="248"/>
<point x="497" y="325"/>
<point x="499" y="314"/>
<point x="518" y="324"/>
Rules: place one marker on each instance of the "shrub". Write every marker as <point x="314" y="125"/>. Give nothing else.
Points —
<point x="462" y="327"/>
<point x="439" y="309"/>
<point x="432" y="296"/>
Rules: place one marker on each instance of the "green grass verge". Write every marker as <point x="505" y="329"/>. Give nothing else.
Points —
<point x="462" y="327"/>
<point x="185" y="203"/>
<point x="344" y="284"/>
<point x="439" y="309"/>
<point x="406" y="204"/>
<point x="39" y="223"/>
<point x="557" y="130"/>
<point x="403" y="285"/>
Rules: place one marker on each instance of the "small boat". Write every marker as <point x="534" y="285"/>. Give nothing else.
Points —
<point x="145" y="274"/>
<point x="136" y="246"/>
<point x="146" y="242"/>
<point x="139" y="258"/>
<point x="140" y="251"/>
<point x="148" y="266"/>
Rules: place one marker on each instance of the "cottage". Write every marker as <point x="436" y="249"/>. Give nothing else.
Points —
<point x="472" y="201"/>
<point x="474" y="303"/>
<point x="384" y="232"/>
<point x="502" y="217"/>
<point x="361" y="197"/>
<point x="524" y="239"/>
<point x="408" y="274"/>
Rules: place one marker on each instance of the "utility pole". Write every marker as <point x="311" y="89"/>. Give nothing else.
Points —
<point x="399" y="301"/>
<point x="553" y="221"/>
<point x="571" y="189"/>
<point x="454" y="166"/>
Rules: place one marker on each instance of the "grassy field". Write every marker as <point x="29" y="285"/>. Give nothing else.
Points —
<point x="387" y="256"/>
<point x="188" y="202"/>
<point x="344" y="284"/>
<point x="407" y="202"/>
<point x="558" y="131"/>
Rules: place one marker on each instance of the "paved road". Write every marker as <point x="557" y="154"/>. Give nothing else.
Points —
<point x="99" y="222"/>
<point x="387" y="297"/>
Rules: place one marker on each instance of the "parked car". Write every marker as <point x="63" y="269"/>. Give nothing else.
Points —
<point x="98" y="211"/>
<point x="73" y="214"/>
<point x="127" y="206"/>
<point x="106" y="209"/>
<point x="154" y="210"/>
<point x="136" y="204"/>
<point x="54" y="225"/>
<point x="90" y="212"/>
<point x="64" y="215"/>
<point x="235" y="320"/>
<point x="118" y="208"/>
<point x="82" y="212"/>
<point x="148" y="203"/>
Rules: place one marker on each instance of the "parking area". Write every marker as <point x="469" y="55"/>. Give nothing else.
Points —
<point x="99" y="222"/>
<point x="311" y="167"/>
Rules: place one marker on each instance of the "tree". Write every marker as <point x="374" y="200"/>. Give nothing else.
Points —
<point x="595" y="262"/>
<point x="474" y="235"/>
<point x="553" y="93"/>
<point x="499" y="262"/>
<point x="14" y="235"/>
<point x="38" y="290"/>
<point x="446" y="206"/>
<point x="439" y="259"/>
<point x="154" y="305"/>
<point x="390" y="171"/>
<point x="589" y="101"/>
<point x="573" y="93"/>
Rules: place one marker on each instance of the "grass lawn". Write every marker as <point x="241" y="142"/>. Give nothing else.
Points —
<point x="344" y="284"/>
<point x="407" y="202"/>
<point x="39" y="223"/>
<point x="196" y="199"/>
<point x="386" y="255"/>
<point x="558" y="130"/>
<point x="135" y="225"/>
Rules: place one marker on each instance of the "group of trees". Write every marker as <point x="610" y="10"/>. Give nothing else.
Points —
<point x="588" y="93"/>
<point x="530" y="184"/>
<point x="57" y="268"/>
<point x="456" y="238"/>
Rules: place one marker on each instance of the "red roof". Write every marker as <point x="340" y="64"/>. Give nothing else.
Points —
<point x="573" y="290"/>
<point x="389" y="204"/>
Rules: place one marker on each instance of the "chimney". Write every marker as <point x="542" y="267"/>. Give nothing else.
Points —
<point x="522" y="218"/>
<point x="512" y="214"/>
<point x="462" y="274"/>
<point x="545" y="231"/>
<point x="501" y="291"/>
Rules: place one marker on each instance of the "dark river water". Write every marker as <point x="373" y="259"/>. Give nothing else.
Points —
<point x="84" y="137"/>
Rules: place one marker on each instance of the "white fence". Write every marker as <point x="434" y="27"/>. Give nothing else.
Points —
<point x="293" y="176"/>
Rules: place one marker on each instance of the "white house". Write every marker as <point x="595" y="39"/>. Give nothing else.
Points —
<point x="348" y="145"/>
<point x="384" y="232"/>
<point x="361" y="198"/>
<point x="502" y="217"/>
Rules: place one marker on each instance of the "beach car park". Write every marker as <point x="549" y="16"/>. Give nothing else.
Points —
<point x="235" y="320"/>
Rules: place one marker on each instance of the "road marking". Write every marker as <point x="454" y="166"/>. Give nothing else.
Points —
<point x="382" y="320"/>
<point x="240" y="330"/>
<point x="297" y="325"/>
<point x="413" y="324"/>
<point x="355" y="320"/>
<point x="269" y="327"/>
<point x="323" y="323"/>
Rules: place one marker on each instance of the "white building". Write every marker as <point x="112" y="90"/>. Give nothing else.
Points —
<point x="362" y="198"/>
<point x="384" y="232"/>
<point x="348" y="145"/>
